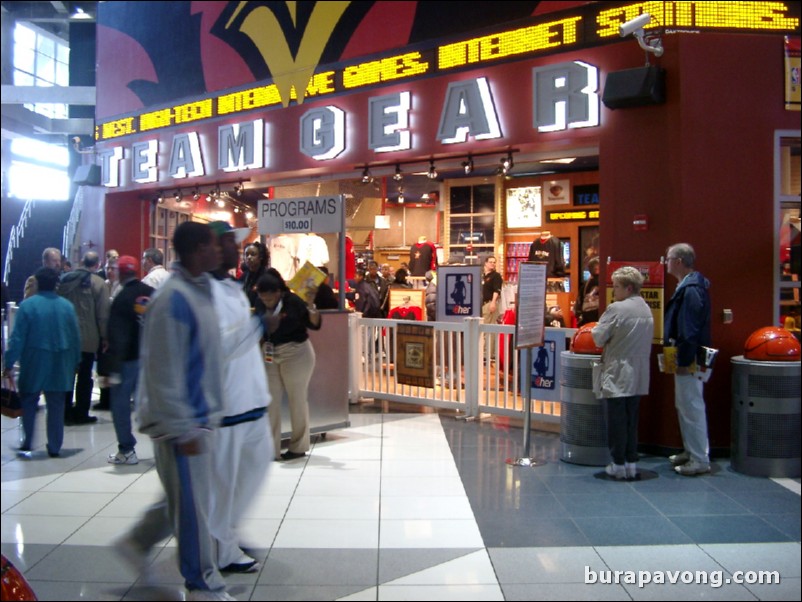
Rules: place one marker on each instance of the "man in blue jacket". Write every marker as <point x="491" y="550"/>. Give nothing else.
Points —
<point x="47" y="344"/>
<point x="687" y="326"/>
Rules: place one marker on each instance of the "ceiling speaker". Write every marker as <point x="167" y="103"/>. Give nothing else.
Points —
<point x="87" y="175"/>
<point x="635" y="88"/>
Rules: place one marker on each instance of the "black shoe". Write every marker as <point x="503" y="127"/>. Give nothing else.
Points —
<point x="84" y="420"/>
<point x="291" y="455"/>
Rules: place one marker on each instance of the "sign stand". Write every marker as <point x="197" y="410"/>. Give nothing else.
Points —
<point x="529" y="332"/>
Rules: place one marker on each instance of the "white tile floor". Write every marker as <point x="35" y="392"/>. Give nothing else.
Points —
<point x="377" y="511"/>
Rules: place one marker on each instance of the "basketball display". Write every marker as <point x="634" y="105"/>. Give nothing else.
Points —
<point x="582" y="341"/>
<point x="772" y="344"/>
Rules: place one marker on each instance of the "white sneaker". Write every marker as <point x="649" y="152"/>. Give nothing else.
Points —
<point x="121" y="458"/>
<point x="207" y="594"/>
<point x="131" y="554"/>
<point x="631" y="468"/>
<point x="617" y="471"/>
<point x="679" y="459"/>
<point x="692" y="468"/>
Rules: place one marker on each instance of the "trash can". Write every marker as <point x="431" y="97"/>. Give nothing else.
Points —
<point x="583" y="417"/>
<point x="765" y="418"/>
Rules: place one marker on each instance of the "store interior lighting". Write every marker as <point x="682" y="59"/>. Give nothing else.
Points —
<point x="507" y="164"/>
<point x="432" y="175"/>
<point x="366" y="177"/>
<point x="398" y="176"/>
<point x="467" y="165"/>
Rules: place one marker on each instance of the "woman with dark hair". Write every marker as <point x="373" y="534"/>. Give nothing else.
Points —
<point x="254" y="267"/>
<point x="289" y="358"/>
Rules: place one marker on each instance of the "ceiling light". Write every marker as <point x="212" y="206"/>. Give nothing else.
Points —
<point x="398" y="175"/>
<point x="507" y="164"/>
<point x="432" y="174"/>
<point x="563" y="160"/>
<point x="221" y="203"/>
<point x="467" y="166"/>
<point x="196" y="195"/>
<point x="80" y="14"/>
<point x="177" y="196"/>
<point x="366" y="177"/>
<point x="238" y="189"/>
<point x="400" y="195"/>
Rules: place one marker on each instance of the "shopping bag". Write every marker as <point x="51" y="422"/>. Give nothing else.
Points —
<point x="11" y="404"/>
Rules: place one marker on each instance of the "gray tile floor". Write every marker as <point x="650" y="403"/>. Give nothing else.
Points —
<point x="417" y="506"/>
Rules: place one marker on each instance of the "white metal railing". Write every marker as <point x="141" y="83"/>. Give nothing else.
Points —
<point x="463" y="379"/>
<point x="16" y="235"/>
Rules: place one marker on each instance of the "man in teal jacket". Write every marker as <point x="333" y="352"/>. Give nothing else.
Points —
<point x="47" y="344"/>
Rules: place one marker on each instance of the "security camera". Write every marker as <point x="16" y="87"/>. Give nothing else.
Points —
<point x="633" y="25"/>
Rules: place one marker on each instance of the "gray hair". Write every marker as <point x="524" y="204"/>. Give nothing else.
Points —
<point x="629" y="276"/>
<point x="684" y="252"/>
<point x="155" y="255"/>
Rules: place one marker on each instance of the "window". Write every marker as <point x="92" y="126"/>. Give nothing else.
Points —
<point x="472" y="219"/>
<point x="38" y="171"/>
<point x="41" y="59"/>
<point x="787" y="201"/>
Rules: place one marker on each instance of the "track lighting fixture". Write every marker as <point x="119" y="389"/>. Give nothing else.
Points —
<point x="220" y="203"/>
<point x="467" y="166"/>
<point x="196" y="195"/>
<point x="160" y="197"/>
<point x="238" y="189"/>
<point x="398" y="176"/>
<point x="366" y="177"/>
<point x="177" y="196"/>
<point x="507" y="164"/>
<point x="432" y="175"/>
<point x="400" y="195"/>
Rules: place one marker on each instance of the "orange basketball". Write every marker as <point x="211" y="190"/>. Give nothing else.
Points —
<point x="14" y="585"/>
<point x="583" y="340"/>
<point x="772" y="344"/>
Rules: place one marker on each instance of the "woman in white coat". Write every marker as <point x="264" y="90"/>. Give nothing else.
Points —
<point x="625" y="332"/>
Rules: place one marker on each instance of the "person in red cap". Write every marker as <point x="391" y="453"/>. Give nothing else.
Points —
<point x="125" y="319"/>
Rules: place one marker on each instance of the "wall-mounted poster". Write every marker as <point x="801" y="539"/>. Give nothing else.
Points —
<point x="556" y="192"/>
<point x="589" y="246"/>
<point x="524" y="207"/>
<point x="459" y="292"/>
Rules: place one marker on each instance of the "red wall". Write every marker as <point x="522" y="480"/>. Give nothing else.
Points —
<point x="700" y="166"/>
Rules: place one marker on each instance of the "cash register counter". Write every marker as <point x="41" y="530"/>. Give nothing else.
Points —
<point x="328" y="390"/>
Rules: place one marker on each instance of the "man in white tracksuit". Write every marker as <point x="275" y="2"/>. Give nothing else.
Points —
<point x="243" y="444"/>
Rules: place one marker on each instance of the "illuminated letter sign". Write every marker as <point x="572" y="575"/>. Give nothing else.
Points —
<point x="565" y="95"/>
<point x="468" y="110"/>
<point x="388" y="120"/>
<point x="240" y="146"/>
<point x="110" y="165"/>
<point x="185" y="158"/>
<point x="143" y="161"/>
<point x="323" y="133"/>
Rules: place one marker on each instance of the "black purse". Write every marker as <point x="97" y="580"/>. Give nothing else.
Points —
<point x="10" y="404"/>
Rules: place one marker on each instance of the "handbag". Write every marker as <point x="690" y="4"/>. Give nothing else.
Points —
<point x="11" y="403"/>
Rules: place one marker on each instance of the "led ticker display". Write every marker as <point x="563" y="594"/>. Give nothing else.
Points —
<point x="572" y="215"/>
<point x="588" y="25"/>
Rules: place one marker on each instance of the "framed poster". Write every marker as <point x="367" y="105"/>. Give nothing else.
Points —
<point x="414" y="355"/>
<point x="588" y="247"/>
<point x="407" y="304"/>
<point x="459" y="292"/>
<point x="557" y="192"/>
<point x="524" y="207"/>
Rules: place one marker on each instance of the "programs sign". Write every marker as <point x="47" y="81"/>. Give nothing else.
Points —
<point x="319" y="214"/>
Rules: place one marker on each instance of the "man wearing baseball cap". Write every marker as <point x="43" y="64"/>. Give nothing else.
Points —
<point x="125" y="319"/>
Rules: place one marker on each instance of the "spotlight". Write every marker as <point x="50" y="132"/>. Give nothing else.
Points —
<point x="249" y="214"/>
<point x="467" y="166"/>
<point x="196" y="195"/>
<point x="366" y="177"/>
<point x="220" y="203"/>
<point x="400" y="195"/>
<point x="177" y="196"/>
<point x="507" y="164"/>
<point x="432" y="175"/>
<point x="398" y="175"/>
<point x="238" y="189"/>
<point x="236" y="209"/>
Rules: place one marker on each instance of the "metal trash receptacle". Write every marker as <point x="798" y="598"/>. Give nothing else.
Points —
<point x="583" y="418"/>
<point x="765" y="426"/>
